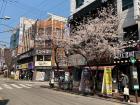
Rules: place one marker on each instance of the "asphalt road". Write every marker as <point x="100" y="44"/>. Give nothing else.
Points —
<point x="28" y="93"/>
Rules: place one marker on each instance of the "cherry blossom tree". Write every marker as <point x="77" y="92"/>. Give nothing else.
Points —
<point x="97" y="38"/>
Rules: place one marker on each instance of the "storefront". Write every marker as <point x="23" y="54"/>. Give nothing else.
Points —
<point x="124" y="65"/>
<point x="42" y="70"/>
<point x="25" y="71"/>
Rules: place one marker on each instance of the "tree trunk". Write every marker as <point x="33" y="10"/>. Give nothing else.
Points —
<point x="56" y="61"/>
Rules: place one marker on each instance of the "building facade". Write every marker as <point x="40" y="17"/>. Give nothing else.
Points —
<point x="128" y="12"/>
<point x="129" y="28"/>
<point x="36" y="49"/>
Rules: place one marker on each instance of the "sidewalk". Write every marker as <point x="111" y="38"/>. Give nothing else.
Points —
<point x="115" y="98"/>
<point x="119" y="97"/>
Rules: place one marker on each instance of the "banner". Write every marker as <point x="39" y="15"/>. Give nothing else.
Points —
<point x="24" y="66"/>
<point x="107" y="82"/>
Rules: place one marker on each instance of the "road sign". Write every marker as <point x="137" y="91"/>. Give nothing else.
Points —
<point x="136" y="87"/>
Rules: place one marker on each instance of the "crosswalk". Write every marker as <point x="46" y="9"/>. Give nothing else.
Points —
<point x="14" y="86"/>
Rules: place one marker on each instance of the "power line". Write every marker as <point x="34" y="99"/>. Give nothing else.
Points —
<point x="1" y="7"/>
<point x="57" y="5"/>
<point x="53" y="7"/>
<point x="30" y="7"/>
<point x="44" y="12"/>
<point x="40" y="11"/>
<point x="4" y="42"/>
<point x="8" y="26"/>
<point x="43" y="2"/>
<point x="4" y="8"/>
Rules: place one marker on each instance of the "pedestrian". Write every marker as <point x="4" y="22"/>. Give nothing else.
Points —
<point x="126" y="94"/>
<point x="123" y="81"/>
<point x="51" y="83"/>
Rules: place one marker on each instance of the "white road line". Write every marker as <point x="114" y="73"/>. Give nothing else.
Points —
<point x="28" y="84"/>
<point x="14" y="85"/>
<point x="1" y="88"/>
<point x="7" y="86"/>
<point x="24" y="86"/>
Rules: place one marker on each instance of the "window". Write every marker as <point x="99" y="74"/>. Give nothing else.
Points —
<point x="39" y="57"/>
<point x="131" y="33"/>
<point x="48" y="43"/>
<point x="79" y="3"/>
<point x="127" y="4"/>
<point x="47" y="58"/>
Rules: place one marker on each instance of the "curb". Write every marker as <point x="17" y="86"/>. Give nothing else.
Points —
<point x="1" y="98"/>
<point x="94" y="96"/>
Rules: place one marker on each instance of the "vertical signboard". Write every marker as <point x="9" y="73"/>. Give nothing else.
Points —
<point x="107" y="82"/>
<point x="136" y="9"/>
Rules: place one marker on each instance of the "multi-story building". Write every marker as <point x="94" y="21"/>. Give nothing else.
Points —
<point x="37" y="56"/>
<point x="14" y="45"/>
<point x="24" y="25"/>
<point x="128" y="12"/>
<point x="129" y="26"/>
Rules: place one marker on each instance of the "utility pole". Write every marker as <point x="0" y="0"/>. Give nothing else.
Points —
<point x="134" y="74"/>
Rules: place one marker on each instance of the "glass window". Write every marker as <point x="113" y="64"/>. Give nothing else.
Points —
<point x="79" y="3"/>
<point x="48" y="43"/>
<point x="131" y="33"/>
<point x="47" y="58"/>
<point x="39" y="57"/>
<point x="127" y="4"/>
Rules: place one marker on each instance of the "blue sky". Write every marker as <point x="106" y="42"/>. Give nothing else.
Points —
<point x="35" y="9"/>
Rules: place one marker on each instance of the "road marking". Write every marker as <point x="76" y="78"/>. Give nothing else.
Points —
<point x="28" y="84"/>
<point x="7" y="86"/>
<point x="14" y="85"/>
<point x="24" y="86"/>
<point x="1" y="88"/>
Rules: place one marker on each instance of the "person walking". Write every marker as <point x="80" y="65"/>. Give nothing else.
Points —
<point x="126" y="94"/>
<point x="123" y="81"/>
<point x="124" y="87"/>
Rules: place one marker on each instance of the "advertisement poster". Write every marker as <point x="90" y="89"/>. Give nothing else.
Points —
<point x="17" y="75"/>
<point x="107" y="82"/>
<point x="85" y="81"/>
<point x="40" y="76"/>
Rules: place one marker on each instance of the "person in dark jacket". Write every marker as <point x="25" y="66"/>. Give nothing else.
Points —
<point x="123" y="81"/>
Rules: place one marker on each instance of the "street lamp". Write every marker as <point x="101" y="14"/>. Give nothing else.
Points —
<point x="5" y="18"/>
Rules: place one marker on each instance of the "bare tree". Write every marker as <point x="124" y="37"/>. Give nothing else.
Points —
<point x="8" y="58"/>
<point x="61" y="45"/>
